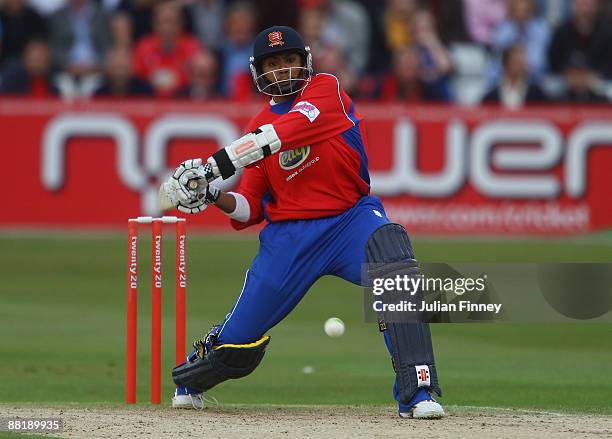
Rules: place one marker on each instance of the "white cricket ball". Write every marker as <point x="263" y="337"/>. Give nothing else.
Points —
<point x="308" y="370"/>
<point x="334" y="327"/>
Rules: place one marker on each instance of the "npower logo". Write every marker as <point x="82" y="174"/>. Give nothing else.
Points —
<point x="142" y="176"/>
<point x="480" y="158"/>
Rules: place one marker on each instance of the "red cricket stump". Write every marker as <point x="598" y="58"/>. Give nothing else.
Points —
<point x="156" y="301"/>
<point x="132" y="312"/>
<point x="181" y="286"/>
<point x="156" y="314"/>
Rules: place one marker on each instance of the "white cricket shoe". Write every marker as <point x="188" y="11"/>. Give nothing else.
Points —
<point x="187" y="398"/>
<point x="424" y="410"/>
<point x="422" y="406"/>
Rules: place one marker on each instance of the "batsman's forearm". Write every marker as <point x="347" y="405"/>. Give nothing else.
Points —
<point x="226" y="202"/>
<point x="243" y="152"/>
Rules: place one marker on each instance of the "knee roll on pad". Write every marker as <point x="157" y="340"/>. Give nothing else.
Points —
<point x="389" y="253"/>
<point x="388" y="244"/>
<point x="222" y="362"/>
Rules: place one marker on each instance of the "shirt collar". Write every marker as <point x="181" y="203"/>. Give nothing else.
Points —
<point x="282" y="107"/>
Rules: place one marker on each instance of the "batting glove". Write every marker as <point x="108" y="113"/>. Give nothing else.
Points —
<point x="200" y="202"/>
<point x="186" y="174"/>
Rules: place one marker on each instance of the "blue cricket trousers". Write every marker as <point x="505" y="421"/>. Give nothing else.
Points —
<point x="292" y="256"/>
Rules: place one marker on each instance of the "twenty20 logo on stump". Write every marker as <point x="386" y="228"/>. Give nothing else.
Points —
<point x="293" y="158"/>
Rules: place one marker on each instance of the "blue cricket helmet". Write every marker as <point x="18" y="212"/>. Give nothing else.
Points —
<point x="273" y="40"/>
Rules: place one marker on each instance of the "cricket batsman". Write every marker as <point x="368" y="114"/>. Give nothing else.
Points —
<point x="306" y="175"/>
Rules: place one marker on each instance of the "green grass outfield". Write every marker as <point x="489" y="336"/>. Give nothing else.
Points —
<point x="62" y="330"/>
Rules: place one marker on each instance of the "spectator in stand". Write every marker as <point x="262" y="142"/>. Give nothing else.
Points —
<point x="331" y="24"/>
<point x="310" y="26"/>
<point x="515" y="88"/>
<point x="80" y="36"/>
<point x="523" y="26"/>
<point x="482" y="18"/>
<point x="30" y="76"/>
<point x="398" y="19"/>
<point x="379" y="57"/>
<point x="203" y="78"/>
<point x="141" y="14"/>
<point x="121" y="30"/>
<point x="405" y="83"/>
<point x="331" y="60"/>
<point x="20" y="24"/>
<point x="162" y="58"/>
<point x="119" y="79"/>
<point x="580" y="82"/>
<point x="327" y="55"/>
<point x="436" y="63"/>
<point x="341" y="20"/>
<point x="587" y="31"/>
<point x="207" y="17"/>
<point x="236" y="48"/>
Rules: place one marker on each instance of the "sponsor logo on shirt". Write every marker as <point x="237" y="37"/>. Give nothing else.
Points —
<point x="305" y="166"/>
<point x="293" y="158"/>
<point x="307" y="109"/>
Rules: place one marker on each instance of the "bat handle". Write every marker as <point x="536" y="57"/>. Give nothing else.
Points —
<point x="193" y="183"/>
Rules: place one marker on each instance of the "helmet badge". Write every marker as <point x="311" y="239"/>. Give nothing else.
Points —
<point x="276" y="39"/>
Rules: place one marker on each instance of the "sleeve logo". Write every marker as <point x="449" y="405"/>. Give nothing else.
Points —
<point x="307" y="109"/>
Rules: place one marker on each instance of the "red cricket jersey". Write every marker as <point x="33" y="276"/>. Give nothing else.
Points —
<point x="321" y="169"/>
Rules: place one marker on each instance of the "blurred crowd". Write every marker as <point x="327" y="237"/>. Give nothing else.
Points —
<point x="508" y="52"/>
